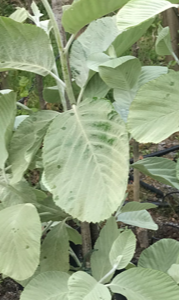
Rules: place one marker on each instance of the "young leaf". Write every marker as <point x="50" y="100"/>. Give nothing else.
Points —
<point x="102" y="33"/>
<point x="20" y="15"/>
<point x="138" y="218"/>
<point x="159" y="168"/>
<point x="7" y="117"/>
<point x="160" y="256"/>
<point x="20" y="231"/>
<point x="163" y="44"/>
<point x="54" y="252"/>
<point x="136" y="206"/>
<point x="138" y="11"/>
<point x="86" y="160"/>
<point x="83" y="12"/>
<point x="154" y="113"/>
<point x="121" y="73"/>
<point x="47" y="286"/>
<point x="100" y="263"/>
<point x="124" y="247"/>
<point x="82" y="286"/>
<point x="27" y="140"/>
<point x="145" y="284"/>
<point x="174" y="272"/>
<point x="28" y="48"/>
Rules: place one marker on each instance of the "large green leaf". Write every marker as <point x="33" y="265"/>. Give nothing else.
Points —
<point x="138" y="11"/>
<point x="145" y="284"/>
<point x="86" y="160"/>
<point x="128" y="37"/>
<point x="138" y="218"/>
<point x="96" y="87"/>
<point x="100" y="263"/>
<point x="20" y="231"/>
<point x="124" y="98"/>
<point x="54" y="253"/>
<point x="163" y="44"/>
<point x="82" y="286"/>
<point x="7" y="117"/>
<point x="136" y="206"/>
<point x="102" y="33"/>
<point x="28" y="48"/>
<point x="159" y="168"/>
<point x="123" y="249"/>
<point x="121" y="73"/>
<point x="83" y="12"/>
<point x="47" y="286"/>
<point x="27" y="140"/>
<point x="154" y="113"/>
<point x="160" y="256"/>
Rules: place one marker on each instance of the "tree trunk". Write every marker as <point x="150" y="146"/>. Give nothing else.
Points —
<point x="170" y="18"/>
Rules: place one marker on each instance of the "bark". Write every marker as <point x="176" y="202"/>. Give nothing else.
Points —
<point x="136" y="172"/>
<point x="39" y="80"/>
<point x="141" y="233"/>
<point x="57" y="10"/>
<point x="94" y="232"/>
<point x="86" y="245"/>
<point x="171" y="19"/>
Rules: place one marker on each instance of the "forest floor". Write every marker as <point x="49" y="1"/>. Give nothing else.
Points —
<point x="166" y="216"/>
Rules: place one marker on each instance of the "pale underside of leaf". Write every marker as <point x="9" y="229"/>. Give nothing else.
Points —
<point x="20" y="231"/>
<point x="154" y="113"/>
<point x="28" y="48"/>
<point x="159" y="168"/>
<point x="138" y="218"/>
<point x="85" y="157"/>
<point x="138" y="11"/>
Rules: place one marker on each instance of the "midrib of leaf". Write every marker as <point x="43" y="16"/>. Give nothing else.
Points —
<point x="88" y="143"/>
<point x="25" y="64"/>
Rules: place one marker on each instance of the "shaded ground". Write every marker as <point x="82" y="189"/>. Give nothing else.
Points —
<point x="9" y="289"/>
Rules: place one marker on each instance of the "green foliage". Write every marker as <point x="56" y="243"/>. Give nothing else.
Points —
<point x="160" y="256"/>
<point x="82" y="154"/>
<point x="99" y="141"/>
<point x="161" y="169"/>
<point x="159" y="111"/>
